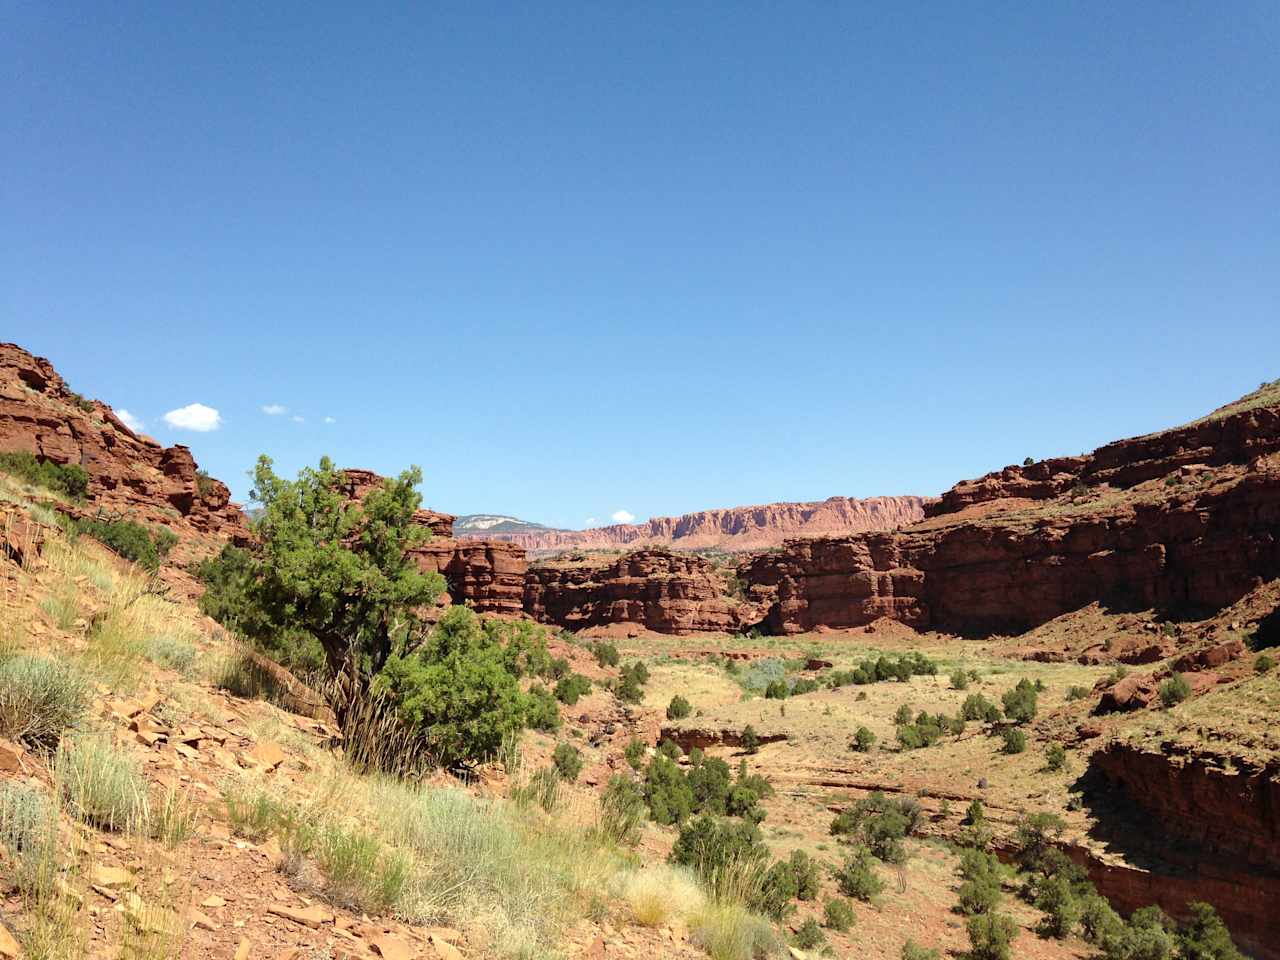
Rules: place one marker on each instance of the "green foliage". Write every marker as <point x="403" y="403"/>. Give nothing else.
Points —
<point x="1034" y="839"/>
<point x="567" y="760"/>
<point x="541" y="711"/>
<point x="1147" y="936"/>
<point x="543" y="788"/>
<point x="805" y="869"/>
<point x="28" y="838"/>
<point x="1263" y="663"/>
<point x="1055" y="757"/>
<point x="879" y="823"/>
<point x="358" y="871"/>
<point x="622" y="810"/>
<point x="750" y="740"/>
<point x="856" y="876"/>
<point x="959" y="680"/>
<point x="678" y="708"/>
<point x="634" y="753"/>
<point x="810" y="936"/>
<point x="69" y="480"/>
<point x="838" y="915"/>
<point x="1020" y="702"/>
<point x="1174" y="690"/>
<point x="978" y="707"/>
<point x="980" y="892"/>
<point x="863" y="740"/>
<point x="903" y="715"/>
<point x="39" y="700"/>
<point x="606" y="654"/>
<point x="913" y="951"/>
<point x="133" y="541"/>
<point x="670" y="749"/>
<point x="454" y="691"/>
<point x="1056" y="897"/>
<point x="204" y="483"/>
<point x="631" y="680"/>
<point x="777" y="690"/>
<point x="1076" y="692"/>
<point x="1098" y="920"/>
<point x="572" y="687"/>
<point x="1205" y="936"/>
<point x="1015" y="741"/>
<point x="715" y="849"/>
<point x="667" y="792"/>
<point x="101" y="784"/>
<point x="990" y="935"/>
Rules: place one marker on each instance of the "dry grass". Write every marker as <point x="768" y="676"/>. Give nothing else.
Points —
<point x="658" y="895"/>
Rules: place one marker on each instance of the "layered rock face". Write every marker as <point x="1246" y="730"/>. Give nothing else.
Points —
<point x="484" y="574"/>
<point x="1198" y="544"/>
<point x="735" y="528"/>
<point x="668" y="593"/>
<point x="1207" y="833"/>
<point x="128" y="473"/>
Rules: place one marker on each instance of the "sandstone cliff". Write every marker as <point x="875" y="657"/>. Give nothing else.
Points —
<point x="129" y="473"/>
<point x="735" y="528"/>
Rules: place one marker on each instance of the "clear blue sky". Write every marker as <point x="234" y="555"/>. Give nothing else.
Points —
<point x="576" y="259"/>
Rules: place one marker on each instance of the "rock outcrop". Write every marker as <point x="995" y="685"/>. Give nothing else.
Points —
<point x="358" y="482"/>
<point x="1201" y="831"/>
<point x="1197" y="540"/>
<point x="665" y="592"/>
<point x="736" y="528"/>
<point x="129" y="473"/>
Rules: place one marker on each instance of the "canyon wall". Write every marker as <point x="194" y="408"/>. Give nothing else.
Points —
<point x="665" y="592"/>
<point x="129" y="473"/>
<point x="735" y="528"/>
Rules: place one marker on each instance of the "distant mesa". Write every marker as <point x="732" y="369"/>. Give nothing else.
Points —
<point x="733" y="529"/>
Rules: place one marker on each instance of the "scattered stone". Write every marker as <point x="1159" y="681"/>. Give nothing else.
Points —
<point x="269" y="754"/>
<point x="9" y="947"/>
<point x="242" y="951"/>
<point x="11" y="757"/>
<point x="213" y="902"/>
<point x="313" y="917"/>
<point x="392" y="948"/>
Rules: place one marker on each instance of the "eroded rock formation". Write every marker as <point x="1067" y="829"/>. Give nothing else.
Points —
<point x="129" y="473"/>
<point x="667" y="592"/>
<point x="736" y="528"/>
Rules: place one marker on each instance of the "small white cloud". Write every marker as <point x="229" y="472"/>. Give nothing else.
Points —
<point x="194" y="416"/>
<point x="274" y="409"/>
<point x="622" y="516"/>
<point x="591" y="521"/>
<point x="297" y="419"/>
<point x="134" y="423"/>
<point x="330" y="420"/>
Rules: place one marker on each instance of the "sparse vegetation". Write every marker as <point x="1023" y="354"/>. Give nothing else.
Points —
<point x="990" y="935"/>
<point x="863" y="740"/>
<point x="750" y="740"/>
<point x="856" y="876"/>
<point x="570" y="688"/>
<point x="40" y="699"/>
<point x="838" y="915"/>
<point x="1055" y="757"/>
<point x="68" y="480"/>
<point x="1174" y="690"/>
<point x="678" y="708"/>
<point x="567" y="760"/>
<point x="101" y="784"/>
<point x="1015" y="741"/>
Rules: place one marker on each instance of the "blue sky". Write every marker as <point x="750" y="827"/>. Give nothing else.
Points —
<point x="581" y="259"/>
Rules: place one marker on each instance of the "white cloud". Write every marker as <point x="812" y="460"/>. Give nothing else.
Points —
<point x="134" y="423"/>
<point x="330" y="420"/>
<point x="297" y="419"/>
<point x="622" y="516"/>
<point x="592" y="521"/>
<point x="194" y="416"/>
<point x="274" y="409"/>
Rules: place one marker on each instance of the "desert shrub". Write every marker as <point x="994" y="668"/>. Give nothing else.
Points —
<point x="657" y="894"/>
<point x="721" y="853"/>
<point x="729" y="931"/>
<point x="1020" y="702"/>
<point x="678" y="708"/>
<point x="1015" y="741"/>
<point x="1061" y="907"/>
<point x="1098" y="920"/>
<point x="572" y="687"/>
<point x="69" y="480"/>
<point x="903" y="715"/>
<point x="567" y="761"/>
<point x="101" y="784"/>
<point x="750" y="740"/>
<point x="777" y="690"/>
<point x="252" y="813"/>
<point x="359" y="872"/>
<point x="1034" y="839"/>
<point x="173" y="818"/>
<point x="856" y="876"/>
<point x="39" y="700"/>
<point x="1147" y="936"/>
<point x="29" y="837"/>
<point x="838" y="915"/>
<point x="1055" y="757"/>
<point x="1076" y="692"/>
<point x="542" y="789"/>
<point x="805" y="870"/>
<point x="990" y="935"/>
<point x="913" y="951"/>
<point x="980" y="892"/>
<point x="978" y="707"/>
<point x="775" y="891"/>
<point x="635" y="753"/>
<point x="667" y="792"/>
<point x="1205" y="936"/>
<point x="606" y="654"/>
<point x="959" y="680"/>
<point x="524" y="647"/>
<point x="710" y="781"/>
<point x="975" y="833"/>
<point x="863" y="740"/>
<point x="670" y="749"/>
<point x="810" y="936"/>
<point x="541" y="711"/>
<point x="1263" y="663"/>
<point x="171" y="652"/>
<point x="130" y="540"/>
<point x="630" y="685"/>
<point x="622" y="810"/>
<point x="1174" y="690"/>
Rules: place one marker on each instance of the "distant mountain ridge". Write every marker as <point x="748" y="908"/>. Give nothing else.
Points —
<point x="735" y="528"/>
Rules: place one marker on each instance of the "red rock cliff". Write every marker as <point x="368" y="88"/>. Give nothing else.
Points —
<point x="128" y="472"/>
<point x="665" y="592"/>
<point x="735" y="528"/>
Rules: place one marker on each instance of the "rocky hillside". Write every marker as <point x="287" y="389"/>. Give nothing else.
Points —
<point x="735" y="528"/>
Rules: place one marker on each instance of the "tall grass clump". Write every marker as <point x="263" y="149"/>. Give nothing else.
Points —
<point x="39" y="700"/>
<point x="251" y="811"/>
<point x="359" y="872"/>
<point x="101" y="784"/>
<point x="659" y="894"/>
<point x="728" y="931"/>
<point x="62" y="606"/>
<point x="29" y="836"/>
<point x="172" y="652"/>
